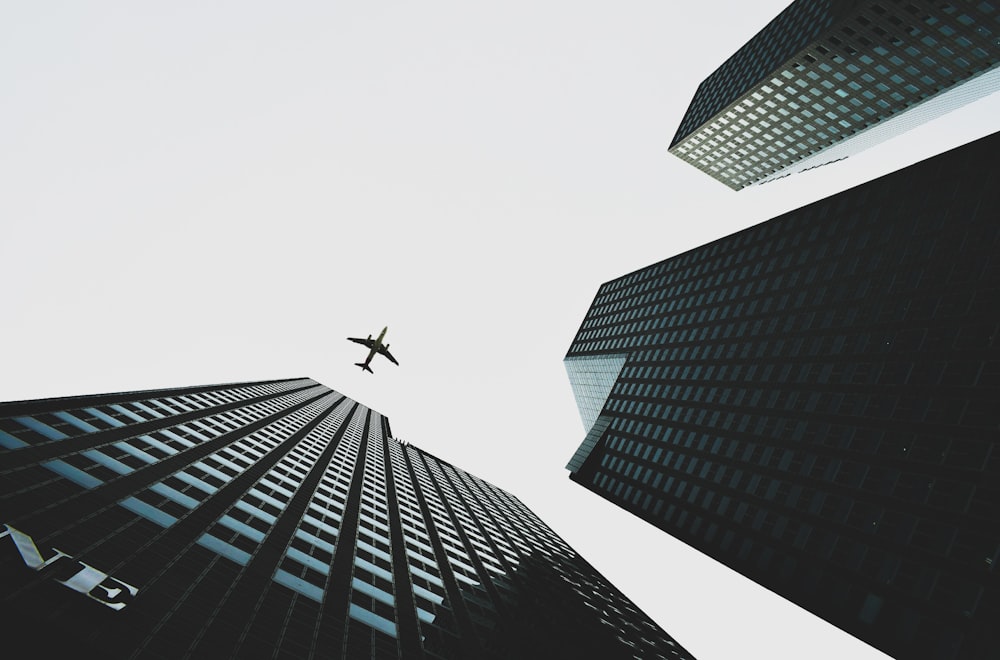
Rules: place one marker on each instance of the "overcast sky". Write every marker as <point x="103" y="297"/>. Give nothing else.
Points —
<point x="208" y="192"/>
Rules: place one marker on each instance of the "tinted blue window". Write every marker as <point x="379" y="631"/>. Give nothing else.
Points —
<point x="77" y="422"/>
<point x="39" y="427"/>
<point x="104" y="416"/>
<point x="148" y="512"/>
<point x="372" y="620"/>
<point x="227" y="550"/>
<point x="75" y="475"/>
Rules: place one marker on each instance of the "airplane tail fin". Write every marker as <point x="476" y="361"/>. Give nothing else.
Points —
<point x="364" y="366"/>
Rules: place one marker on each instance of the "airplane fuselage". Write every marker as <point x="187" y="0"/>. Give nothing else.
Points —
<point x="377" y="345"/>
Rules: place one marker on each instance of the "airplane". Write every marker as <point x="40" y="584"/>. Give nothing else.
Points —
<point x="376" y="346"/>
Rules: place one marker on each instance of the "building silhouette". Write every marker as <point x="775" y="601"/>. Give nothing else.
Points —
<point x="825" y="80"/>
<point x="813" y="401"/>
<point x="277" y="519"/>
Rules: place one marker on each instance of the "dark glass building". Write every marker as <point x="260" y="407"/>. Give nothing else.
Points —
<point x="827" y="79"/>
<point x="813" y="401"/>
<point x="277" y="519"/>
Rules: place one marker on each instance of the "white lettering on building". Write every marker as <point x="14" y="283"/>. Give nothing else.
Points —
<point x="88" y="580"/>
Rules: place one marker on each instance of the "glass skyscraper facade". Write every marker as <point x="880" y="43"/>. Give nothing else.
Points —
<point x="277" y="519"/>
<point x="826" y="79"/>
<point x="813" y="402"/>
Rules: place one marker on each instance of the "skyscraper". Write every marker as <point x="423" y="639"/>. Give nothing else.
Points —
<point x="813" y="402"/>
<point x="825" y="80"/>
<point x="277" y="519"/>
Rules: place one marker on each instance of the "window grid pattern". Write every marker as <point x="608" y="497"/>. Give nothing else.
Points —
<point x="240" y="547"/>
<point x="305" y="567"/>
<point x="237" y="534"/>
<point x="456" y="556"/>
<point x="434" y="616"/>
<point x="21" y="431"/>
<point x="451" y="529"/>
<point x="811" y="401"/>
<point x="373" y="600"/>
<point x="867" y="67"/>
<point x="91" y="468"/>
<point x="796" y="26"/>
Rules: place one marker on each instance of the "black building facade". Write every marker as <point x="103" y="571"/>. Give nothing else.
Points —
<point x="825" y="80"/>
<point x="277" y="519"/>
<point x="813" y="401"/>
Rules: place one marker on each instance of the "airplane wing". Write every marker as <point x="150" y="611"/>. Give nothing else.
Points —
<point x="364" y="342"/>
<point x="385" y="352"/>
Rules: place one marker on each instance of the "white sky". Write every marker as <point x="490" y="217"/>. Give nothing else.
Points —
<point x="196" y="193"/>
